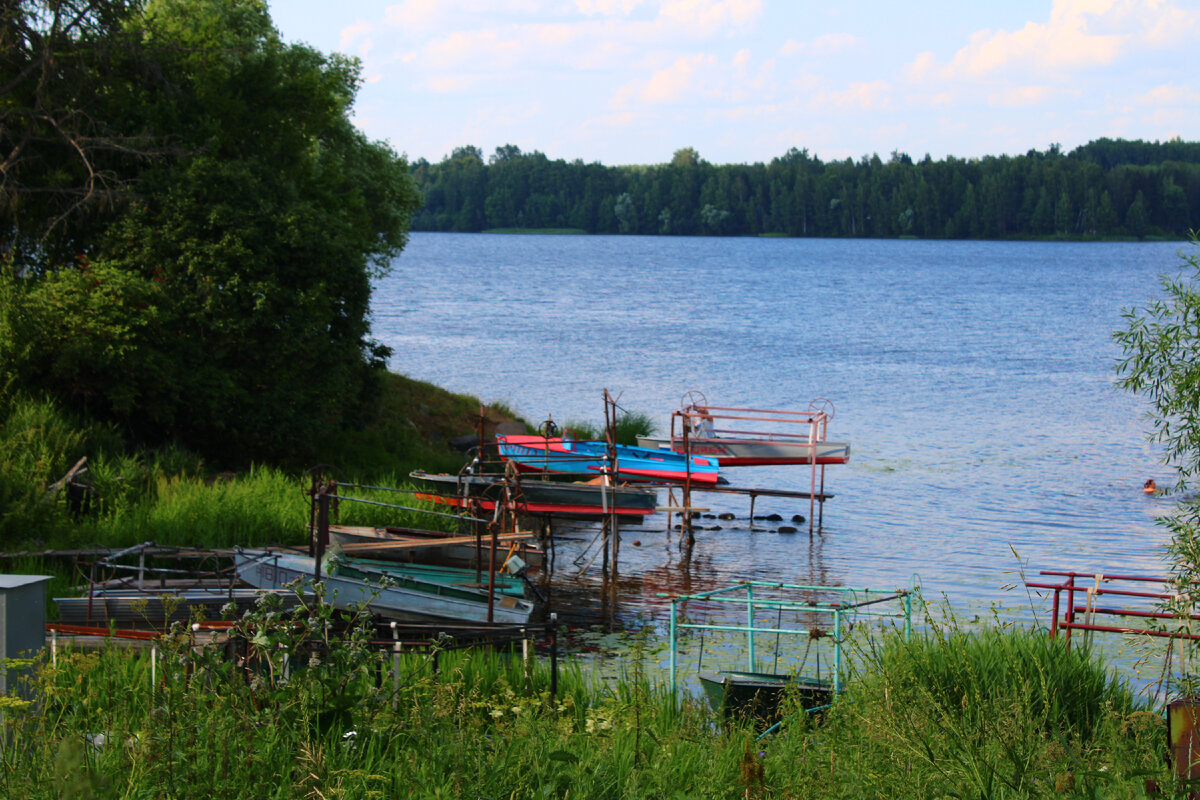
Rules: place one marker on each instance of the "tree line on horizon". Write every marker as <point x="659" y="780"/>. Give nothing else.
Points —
<point x="1108" y="188"/>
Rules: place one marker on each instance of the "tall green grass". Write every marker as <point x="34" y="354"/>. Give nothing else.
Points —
<point x="998" y="713"/>
<point x="918" y="723"/>
<point x="170" y="496"/>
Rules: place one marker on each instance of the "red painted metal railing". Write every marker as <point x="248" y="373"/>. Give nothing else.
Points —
<point x="1078" y="617"/>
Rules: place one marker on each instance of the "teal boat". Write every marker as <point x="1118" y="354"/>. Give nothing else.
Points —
<point x="450" y="576"/>
<point x="384" y="590"/>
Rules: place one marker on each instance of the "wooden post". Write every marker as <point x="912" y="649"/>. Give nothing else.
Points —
<point x="322" y="532"/>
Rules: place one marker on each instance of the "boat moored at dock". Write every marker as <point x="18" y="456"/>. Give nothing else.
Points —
<point x="565" y="456"/>
<point x="387" y="592"/>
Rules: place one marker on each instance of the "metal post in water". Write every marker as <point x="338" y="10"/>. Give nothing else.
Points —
<point x="837" y="650"/>
<point x="673" y="642"/>
<point x="395" y="665"/>
<point x="750" y="632"/>
<point x="553" y="655"/>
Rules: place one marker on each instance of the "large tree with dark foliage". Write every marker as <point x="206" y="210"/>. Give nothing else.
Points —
<point x="190" y="224"/>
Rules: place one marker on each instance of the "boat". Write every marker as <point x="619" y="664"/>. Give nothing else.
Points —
<point x="503" y="582"/>
<point x="350" y="583"/>
<point x="155" y="607"/>
<point x="758" y="609"/>
<point x="565" y="456"/>
<point x="777" y="437"/>
<point x="748" y="452"/>
<point x="758" y="695"/>
<point x="532" y="496"/>
<point x="434" y="547"/>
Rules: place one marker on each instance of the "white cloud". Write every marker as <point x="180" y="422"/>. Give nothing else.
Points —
<point x="607" y="8"/>
<point x="356" y="38"/>
<point x="1021" y="96"/>
<point x="826" y="44"/>
<point x="709" y="16"/>
<point x="1079" y="35"/>
<point x="1170" y="95"/>
<point x="670" y="84"/>
<point x="866" y="95"/>
<point x="475" y="48"/>
<point x="922" y="68"/>
<point x="413" y="13"/>
<point x="452" y="84"/>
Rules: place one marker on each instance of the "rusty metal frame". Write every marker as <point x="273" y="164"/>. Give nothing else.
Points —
<point x="1089" y="610"/>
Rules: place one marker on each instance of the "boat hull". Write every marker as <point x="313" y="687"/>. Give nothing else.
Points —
<point x="570" y="457"/>
<point x="388" y="595"/>
<point x="541" y="497"/>
<point x="132" y="608"/>
<point x="758" y="695"/>
<point x="425" y="547"/>
<point x="754" y="452"/>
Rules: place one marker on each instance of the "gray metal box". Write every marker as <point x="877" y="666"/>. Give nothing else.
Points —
<point x="22" y="621"/>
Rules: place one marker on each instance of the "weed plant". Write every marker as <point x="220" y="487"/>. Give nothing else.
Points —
<point x="630" y="425"/>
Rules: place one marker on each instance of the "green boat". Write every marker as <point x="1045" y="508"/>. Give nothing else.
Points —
<point x="449" y="576"/>
<point x="758" y="695"/>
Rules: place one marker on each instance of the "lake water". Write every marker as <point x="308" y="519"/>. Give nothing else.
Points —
<point x="974" y="380"/>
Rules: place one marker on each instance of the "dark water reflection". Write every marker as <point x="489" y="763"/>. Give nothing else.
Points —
<point x="973" y="379"/>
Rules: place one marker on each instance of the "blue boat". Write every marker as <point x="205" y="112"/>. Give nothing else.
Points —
<point x="565" y="456"/>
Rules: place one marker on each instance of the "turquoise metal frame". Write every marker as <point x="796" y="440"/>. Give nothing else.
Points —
<point x="857" y="602"/>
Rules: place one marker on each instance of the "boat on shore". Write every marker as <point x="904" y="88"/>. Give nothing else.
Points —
<point x="384" y="591"/>
<point x="759" y="695"/>
<point x="533" y="496"/>
<point x="156" y="606"/>
<point x="411" y="545"/>
<point x="565" y="456"/>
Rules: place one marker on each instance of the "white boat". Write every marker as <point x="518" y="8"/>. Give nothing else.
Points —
<point x="384" y="592"/>
<point x="748" y="452"/>
<point x="746" y="437"/>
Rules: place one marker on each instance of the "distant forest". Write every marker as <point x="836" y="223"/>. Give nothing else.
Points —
<point x="1107" y="188"/>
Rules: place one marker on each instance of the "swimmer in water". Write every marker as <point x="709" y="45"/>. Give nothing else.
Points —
<point x="1150" y="487"/>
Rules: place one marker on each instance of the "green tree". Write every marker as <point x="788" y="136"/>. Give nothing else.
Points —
<point x="1161" y="361"/>
<point x="241" y="264"/>
<point x="1137" y="218"/>
<point x="625" y="212"/>
<point x="69" y="71"/>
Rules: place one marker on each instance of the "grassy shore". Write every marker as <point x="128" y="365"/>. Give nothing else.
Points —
<point x="1002" y="714"/>
<point x="994" y="713"/>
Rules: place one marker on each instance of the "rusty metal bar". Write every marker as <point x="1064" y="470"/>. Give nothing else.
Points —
<point x="1085" y="626"/>
<point x="1104" y="576"/>
<point x="1119" y="592"/>
<point x="1131" y="612"/>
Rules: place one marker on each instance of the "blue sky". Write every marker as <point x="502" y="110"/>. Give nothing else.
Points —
<point x="631" y="81"/>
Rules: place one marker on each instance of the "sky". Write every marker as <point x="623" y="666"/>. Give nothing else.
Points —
<point x="742" y="81"/>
